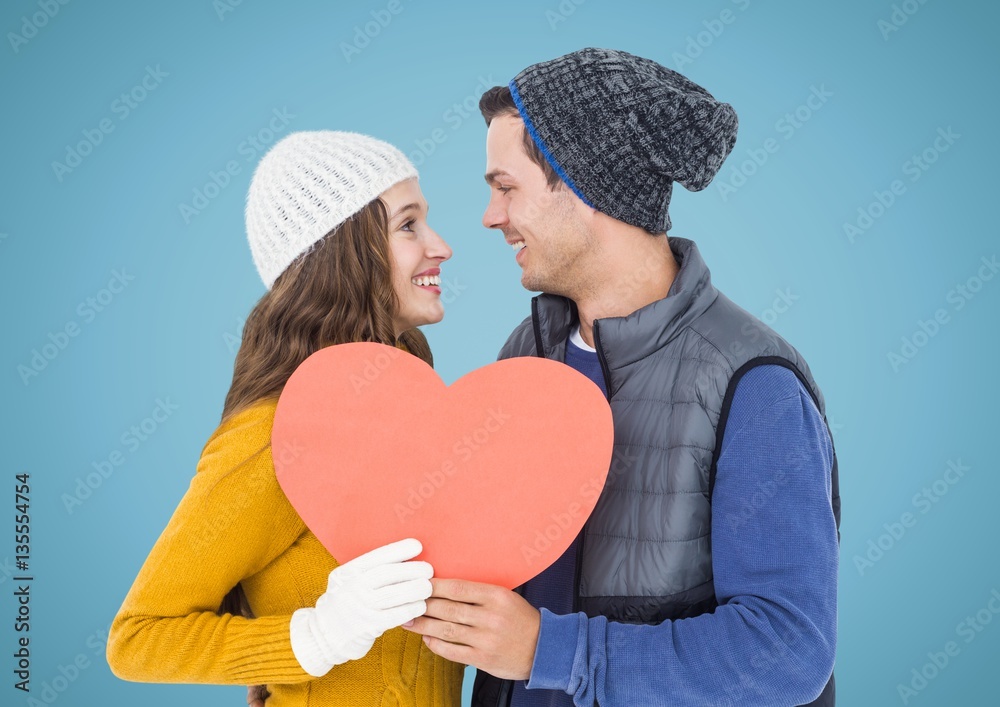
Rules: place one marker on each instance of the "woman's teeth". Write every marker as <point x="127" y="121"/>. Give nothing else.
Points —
<point x="427" y="280"/>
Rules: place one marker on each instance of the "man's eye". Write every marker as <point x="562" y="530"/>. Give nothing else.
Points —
<point x="503" y="189"/>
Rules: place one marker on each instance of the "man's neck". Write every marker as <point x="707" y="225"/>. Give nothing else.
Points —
<point x="637" y="278"/>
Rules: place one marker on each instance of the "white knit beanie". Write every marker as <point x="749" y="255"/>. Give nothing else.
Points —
<point x="309" y="183"/>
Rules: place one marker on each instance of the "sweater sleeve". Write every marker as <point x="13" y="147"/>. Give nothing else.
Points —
<point x="772" y="639"/>
<point x="232" y="522"/>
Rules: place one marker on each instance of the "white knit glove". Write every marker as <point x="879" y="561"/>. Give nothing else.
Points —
<point x="364" y="598"/>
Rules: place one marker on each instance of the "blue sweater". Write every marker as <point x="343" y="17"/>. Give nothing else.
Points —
<point x="772" y="639"/>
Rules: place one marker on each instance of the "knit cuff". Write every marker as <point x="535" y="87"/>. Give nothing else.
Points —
<point x="304" y="645"/>
<point x="555" y="652"/>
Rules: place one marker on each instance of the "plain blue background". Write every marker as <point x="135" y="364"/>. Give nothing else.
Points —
<point x="172" y="332"/>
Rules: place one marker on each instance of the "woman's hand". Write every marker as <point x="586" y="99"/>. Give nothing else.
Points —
<point x="364" y="598"/>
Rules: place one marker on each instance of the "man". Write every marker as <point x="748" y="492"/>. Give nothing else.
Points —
<point x="707" y="573"/>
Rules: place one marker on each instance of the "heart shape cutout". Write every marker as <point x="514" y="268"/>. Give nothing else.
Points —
<point x="495" y="474"/>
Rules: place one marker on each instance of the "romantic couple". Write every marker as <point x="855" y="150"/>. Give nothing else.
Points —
<point x="707" y="573"/>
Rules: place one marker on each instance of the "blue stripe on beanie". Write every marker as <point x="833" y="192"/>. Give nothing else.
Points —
<point x="541" y="145"/>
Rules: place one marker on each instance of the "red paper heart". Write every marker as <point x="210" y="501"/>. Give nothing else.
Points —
<point x="495" y="474"/>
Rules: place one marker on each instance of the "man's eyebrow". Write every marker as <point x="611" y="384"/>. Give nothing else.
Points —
<point x="490" y="177"/>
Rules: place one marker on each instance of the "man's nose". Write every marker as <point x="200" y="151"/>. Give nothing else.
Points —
<point x="495" y="215"/>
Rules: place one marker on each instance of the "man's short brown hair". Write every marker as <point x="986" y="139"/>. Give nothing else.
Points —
<point x="498" y="101"/>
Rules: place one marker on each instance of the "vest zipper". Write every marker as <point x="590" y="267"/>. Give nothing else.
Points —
<point x="583" y="534"/>
<point x="600" y="357"/>
<point x="576" y="572"/>
<point x="503" y="697"/>
<point x="537" y="328"/>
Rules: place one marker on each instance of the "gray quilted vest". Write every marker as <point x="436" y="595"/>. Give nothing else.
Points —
<point x="671" y="369"/>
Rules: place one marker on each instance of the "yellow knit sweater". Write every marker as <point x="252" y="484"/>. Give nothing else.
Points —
<point x="234" y="524"/>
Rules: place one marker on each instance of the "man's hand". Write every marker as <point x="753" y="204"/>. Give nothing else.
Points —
<point x="257" y="695"/>
<point x="482" y="625"/>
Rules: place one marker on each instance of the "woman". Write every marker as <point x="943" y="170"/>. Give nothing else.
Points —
<point x="338" y="231"/>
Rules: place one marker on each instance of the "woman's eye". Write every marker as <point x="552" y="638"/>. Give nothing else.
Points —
<point x="408" y="226"/>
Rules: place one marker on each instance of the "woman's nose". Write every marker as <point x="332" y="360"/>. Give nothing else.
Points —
<point x="437" y="247"/>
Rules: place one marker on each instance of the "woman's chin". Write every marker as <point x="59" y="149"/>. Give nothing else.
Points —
<point x="429" y="318"/>
<point x="433" y="319"/>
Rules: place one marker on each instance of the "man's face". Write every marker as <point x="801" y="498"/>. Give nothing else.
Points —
<point x="559" y="249"/>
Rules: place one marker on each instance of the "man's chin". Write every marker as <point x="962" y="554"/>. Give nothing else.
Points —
<point x="530" y="285"/>
<point x="533" y="281"/>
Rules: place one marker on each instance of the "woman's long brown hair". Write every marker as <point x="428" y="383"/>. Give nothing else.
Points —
<point x="341" y="291"/>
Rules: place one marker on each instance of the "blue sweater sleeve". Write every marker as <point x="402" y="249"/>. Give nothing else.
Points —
<point x="772" y="639"/>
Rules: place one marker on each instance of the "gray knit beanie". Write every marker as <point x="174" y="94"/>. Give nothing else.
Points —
<point x="620" y="130"/>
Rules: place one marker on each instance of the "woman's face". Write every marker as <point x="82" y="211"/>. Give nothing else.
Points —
<point x="417" y="254"/>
